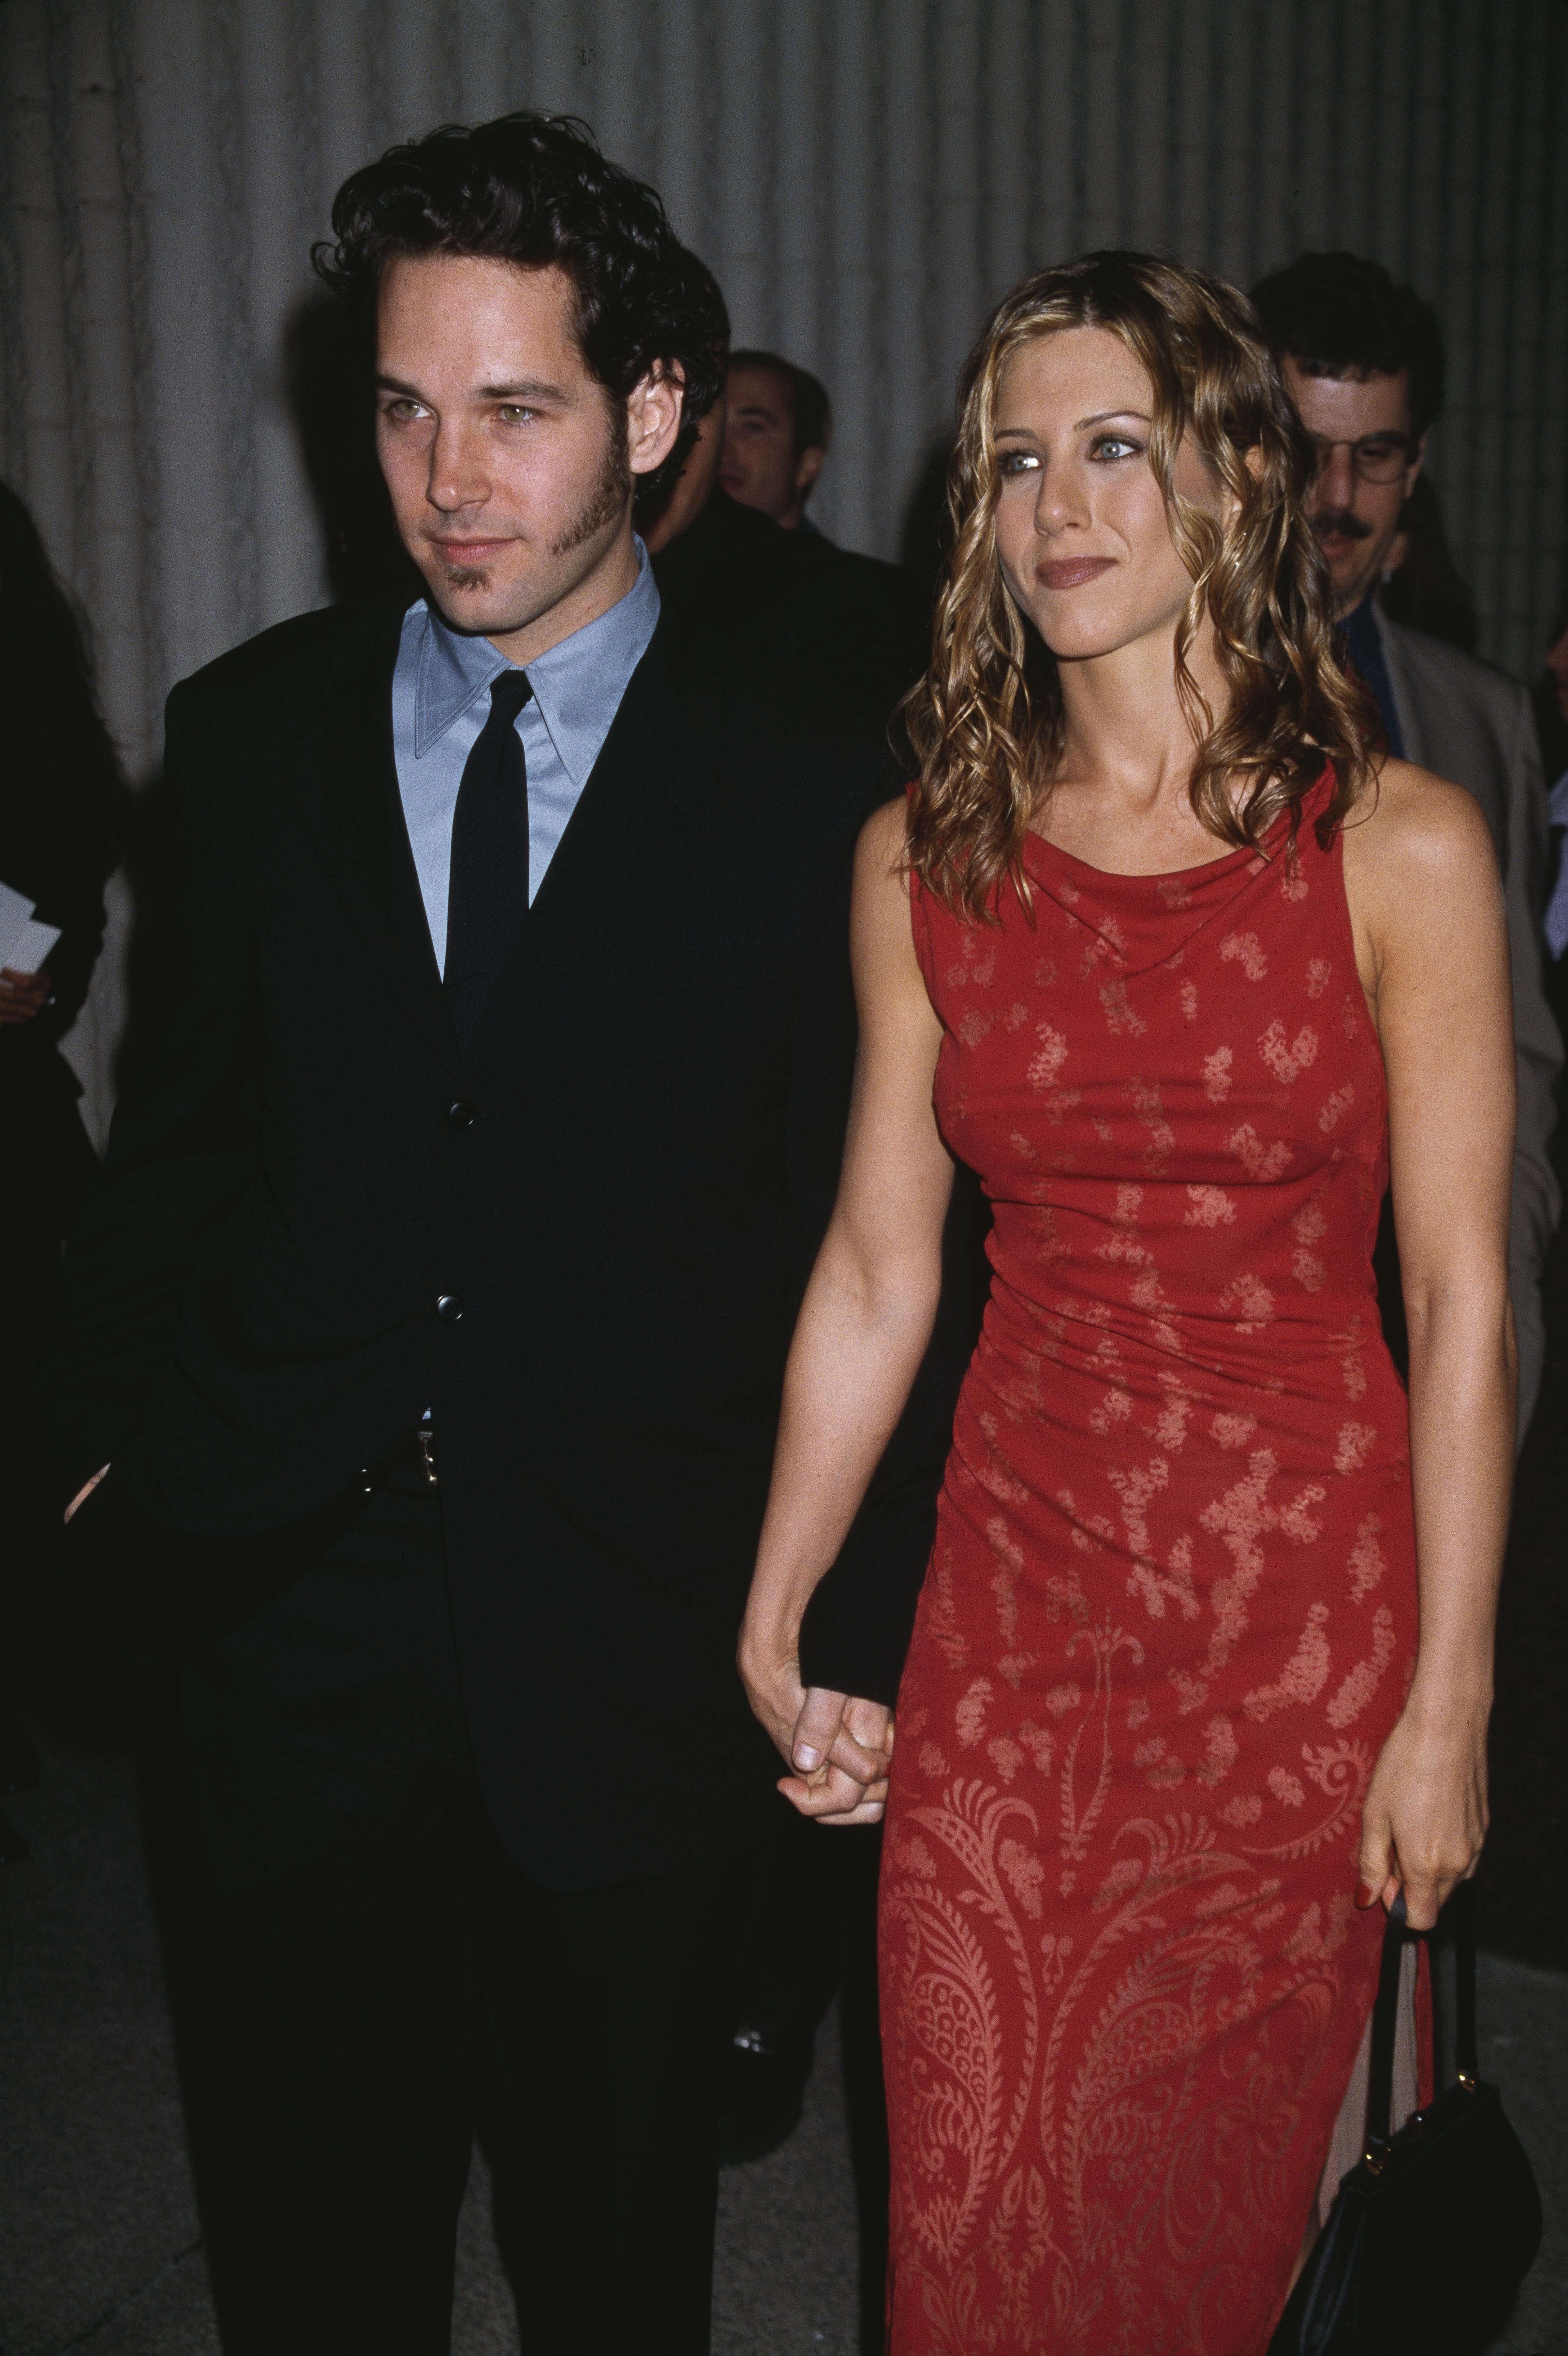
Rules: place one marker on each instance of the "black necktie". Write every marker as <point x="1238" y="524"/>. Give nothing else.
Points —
<point x="487" y="889"/>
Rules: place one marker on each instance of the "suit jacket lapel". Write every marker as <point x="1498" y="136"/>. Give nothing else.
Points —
<point x="343" y="771"/>
<point x="1410" y="727"/>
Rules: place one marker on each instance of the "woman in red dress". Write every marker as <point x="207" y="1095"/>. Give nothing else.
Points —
<point x="1202" y="1663"/>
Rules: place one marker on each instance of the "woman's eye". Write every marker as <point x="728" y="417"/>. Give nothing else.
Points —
<point x="1018" y="462"/>
<point x="1112" y="446"/>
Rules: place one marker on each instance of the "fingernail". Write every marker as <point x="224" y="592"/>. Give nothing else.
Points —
<point x="805" y="1758"/>
<point x="1366" y="1896"/>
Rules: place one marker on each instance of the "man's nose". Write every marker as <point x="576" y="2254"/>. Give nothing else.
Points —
<point x="1337" y="478"/>
<point x="457" y="477"/>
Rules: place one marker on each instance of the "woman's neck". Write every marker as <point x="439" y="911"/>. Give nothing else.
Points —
<point x="1118" y="795"/>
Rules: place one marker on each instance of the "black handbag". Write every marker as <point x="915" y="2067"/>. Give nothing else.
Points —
<point x="1434" y="2230"/>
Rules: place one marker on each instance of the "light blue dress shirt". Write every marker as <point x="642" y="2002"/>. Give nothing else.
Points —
<point x="441" y="699"/>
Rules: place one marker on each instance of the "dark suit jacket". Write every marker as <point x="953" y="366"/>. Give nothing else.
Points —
<point x="737" y="584"/>
<point x="617" y="1195"/>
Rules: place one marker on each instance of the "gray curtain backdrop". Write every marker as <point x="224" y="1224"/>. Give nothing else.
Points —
<point x="864" y="176"/>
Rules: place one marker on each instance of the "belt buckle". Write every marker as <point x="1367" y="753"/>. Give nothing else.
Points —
<point x="426" y="1439"/>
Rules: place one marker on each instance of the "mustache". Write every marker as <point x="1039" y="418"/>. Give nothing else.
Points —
<point x="1339" y="523"/>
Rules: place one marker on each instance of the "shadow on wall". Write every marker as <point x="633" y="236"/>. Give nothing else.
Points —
<point x="925" y="539"/>
<point x="327" y="375"/>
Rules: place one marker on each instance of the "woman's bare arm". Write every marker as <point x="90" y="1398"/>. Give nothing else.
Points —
<point x="863" y="1329"/>
<point x="1432" y="940"/>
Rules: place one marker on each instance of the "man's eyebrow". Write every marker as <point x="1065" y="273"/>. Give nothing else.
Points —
<point x="527" y="391"/>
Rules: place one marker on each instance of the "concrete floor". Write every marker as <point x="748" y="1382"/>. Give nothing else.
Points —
<point x="99" y="2242"/>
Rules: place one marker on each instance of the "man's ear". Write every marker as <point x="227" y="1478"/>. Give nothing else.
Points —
<point x="653" y="418"/>
<point x="1414" y="468"/>
<point x="808" y="466"/>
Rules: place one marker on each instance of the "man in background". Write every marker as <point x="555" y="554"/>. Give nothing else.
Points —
<point x="736" y="573"/>
<point x="1362" y="360"/>
<point x="777" y="433"/>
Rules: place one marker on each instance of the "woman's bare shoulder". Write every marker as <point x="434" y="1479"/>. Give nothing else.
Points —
<point x="884" y="839"/>
<point x="1414" y="831"/>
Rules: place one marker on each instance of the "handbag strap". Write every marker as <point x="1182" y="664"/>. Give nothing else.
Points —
<point x="1461" y="1911"/>
<point x="1461" y="1907"/>
<point x="1385" y="2014"/>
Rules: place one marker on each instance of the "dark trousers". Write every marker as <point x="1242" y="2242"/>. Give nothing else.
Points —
<point x="386" y="1974"/>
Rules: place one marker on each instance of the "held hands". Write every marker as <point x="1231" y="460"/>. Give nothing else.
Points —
<point x="1424" y="1816"/>
<point x="838" y="1747"/>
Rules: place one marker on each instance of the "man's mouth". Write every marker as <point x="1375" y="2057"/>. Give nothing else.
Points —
<point x="1336" y="535"/>
<point x="467" y="555"/>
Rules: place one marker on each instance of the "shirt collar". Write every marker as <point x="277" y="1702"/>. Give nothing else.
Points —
<point x="577" y="685"/>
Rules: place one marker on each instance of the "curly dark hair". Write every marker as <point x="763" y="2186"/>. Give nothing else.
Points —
<point x="1337" y="314"/>
<point x="534" y="189"/>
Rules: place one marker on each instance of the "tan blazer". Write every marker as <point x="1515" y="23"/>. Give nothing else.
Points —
<point x="1466" y="721"/>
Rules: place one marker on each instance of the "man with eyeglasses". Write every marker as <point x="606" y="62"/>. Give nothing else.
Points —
<point x="1362" y="360"/>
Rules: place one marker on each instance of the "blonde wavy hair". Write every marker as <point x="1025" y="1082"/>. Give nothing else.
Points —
<point x="986" y="722"/>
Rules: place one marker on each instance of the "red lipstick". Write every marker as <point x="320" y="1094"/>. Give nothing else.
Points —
<point x="1072" y="572"/>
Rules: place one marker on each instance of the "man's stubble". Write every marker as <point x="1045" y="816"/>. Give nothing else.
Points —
<point x="611" y="495"/>
<point x="608" y="500"/>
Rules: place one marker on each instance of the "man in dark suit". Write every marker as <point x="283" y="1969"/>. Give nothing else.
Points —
<point x="1362" y="360"/>
<point x="430" y="1316"/>
<point x="741" y="580"/>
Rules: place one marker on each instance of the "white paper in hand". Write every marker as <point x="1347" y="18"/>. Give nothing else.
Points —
<point x="15" y="912"/>
<point x="31" y="947"/>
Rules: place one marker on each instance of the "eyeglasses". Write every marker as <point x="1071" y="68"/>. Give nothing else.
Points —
<point x="1376" y="457"/>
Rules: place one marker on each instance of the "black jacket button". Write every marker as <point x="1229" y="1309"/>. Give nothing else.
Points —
<point x="461" y="1115"/>
<point x="450" y="1307"/>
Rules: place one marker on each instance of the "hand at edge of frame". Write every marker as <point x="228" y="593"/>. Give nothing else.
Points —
<point x="85" y="1492"/>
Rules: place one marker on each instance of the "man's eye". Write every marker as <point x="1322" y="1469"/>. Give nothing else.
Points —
<point x="404" y="410"/>
<point x="513" y="412"/>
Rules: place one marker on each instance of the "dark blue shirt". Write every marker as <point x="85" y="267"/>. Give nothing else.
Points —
<point x="1363" y="641"/>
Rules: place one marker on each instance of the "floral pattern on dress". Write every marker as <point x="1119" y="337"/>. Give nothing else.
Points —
<point x="1168" y="1621"/>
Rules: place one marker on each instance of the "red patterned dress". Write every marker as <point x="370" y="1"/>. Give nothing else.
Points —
<point x="1170" y="1619"/>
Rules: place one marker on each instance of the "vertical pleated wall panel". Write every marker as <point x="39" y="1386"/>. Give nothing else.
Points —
<point x="864" y="176"/>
